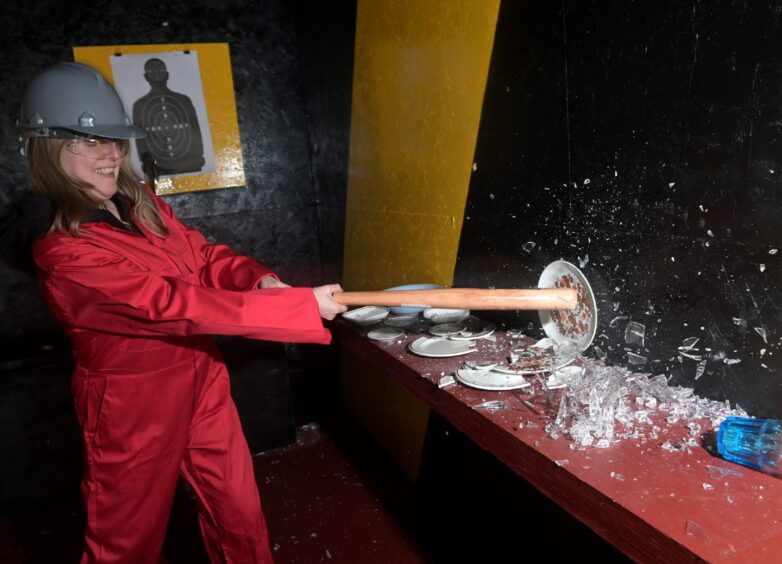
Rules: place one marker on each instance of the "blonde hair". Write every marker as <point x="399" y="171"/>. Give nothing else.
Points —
<point x="70" y="197"/>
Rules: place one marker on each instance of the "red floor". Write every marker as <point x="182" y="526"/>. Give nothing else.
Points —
<point x="321" y="509"/>
<point x="322" y="503"/>
<point x="333" y="497"/>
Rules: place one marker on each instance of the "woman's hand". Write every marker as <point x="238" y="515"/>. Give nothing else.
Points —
<point x="326" y="304"/>
<point x="270" y="281"/>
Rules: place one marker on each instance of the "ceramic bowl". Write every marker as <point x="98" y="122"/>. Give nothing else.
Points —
<point x="411" y="310"/>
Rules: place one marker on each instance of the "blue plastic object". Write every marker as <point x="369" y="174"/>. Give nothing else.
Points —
<point x="755" y="443"/>
<point x="411" y="310"/>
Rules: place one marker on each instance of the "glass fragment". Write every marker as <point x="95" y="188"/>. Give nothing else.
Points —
<point x="694" y="530"/>
<point x="493" y="405"/>
<point x="636" y="359"/>
<point x="688" y="344"/>
<point x="720" y="472"/>
<point x="635" y="333"/>
<point x="616" y="320"/>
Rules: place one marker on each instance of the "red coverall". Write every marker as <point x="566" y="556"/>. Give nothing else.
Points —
<point x="151" y="391"/>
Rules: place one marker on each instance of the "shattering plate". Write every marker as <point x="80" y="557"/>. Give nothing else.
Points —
<point x="569" y="327"/>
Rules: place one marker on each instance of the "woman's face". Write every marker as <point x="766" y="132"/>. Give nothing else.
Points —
<point x="95" y="163"/>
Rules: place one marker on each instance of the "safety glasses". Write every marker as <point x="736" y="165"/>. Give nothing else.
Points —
<point x="94" y="148"/>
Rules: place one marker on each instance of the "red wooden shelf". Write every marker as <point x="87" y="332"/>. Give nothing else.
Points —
<point x="649" y="502"/>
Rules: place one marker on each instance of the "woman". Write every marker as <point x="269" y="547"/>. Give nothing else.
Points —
<point x="139" y="294"/>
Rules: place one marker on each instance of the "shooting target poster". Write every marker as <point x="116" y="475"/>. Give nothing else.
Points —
<point x="182" y="97"/>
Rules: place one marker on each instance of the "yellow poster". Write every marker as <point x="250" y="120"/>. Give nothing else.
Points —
<point x="182" y="95"/>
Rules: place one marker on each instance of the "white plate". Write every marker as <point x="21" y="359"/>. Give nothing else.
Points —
<point x="436" y="315"/>
<point x="490" y="380"/>
<point x="471" y="335"/>
<point x="401" y="320"/>
<point x="385" y="333"/>
<point x="575" y="326"/>
<point x="481" y="364"/>
<point x="447" y="329"/>
<point x="366" y="315"/>
<point x="439" y="348"/>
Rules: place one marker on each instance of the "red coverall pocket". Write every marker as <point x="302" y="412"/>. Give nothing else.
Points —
<point x="88" y="394"/>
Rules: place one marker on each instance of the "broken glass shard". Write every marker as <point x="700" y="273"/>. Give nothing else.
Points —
<point x="634" y="334"/>
<point x="672" y="446"/>
<point x="615" y="321"/>
<point x="494" y="405"/>
<point x="636" y="359"/>
<point x="690" y="355"/>
<point x="694" y="530"/>
<point x="600" y="353"/>
<point x="688" y="344"/>
<point x="720" y="472"/>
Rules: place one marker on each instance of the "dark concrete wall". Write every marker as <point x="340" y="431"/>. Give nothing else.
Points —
<point x="643" y="142"/>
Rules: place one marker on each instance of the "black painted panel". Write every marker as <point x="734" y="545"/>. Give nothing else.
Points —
<point x="40" y="441"/>
<point x="641" y="141"/>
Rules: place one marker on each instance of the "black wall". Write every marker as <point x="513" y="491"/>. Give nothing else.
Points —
<point x="292" y="71"/>
<point x="641" y="141"/>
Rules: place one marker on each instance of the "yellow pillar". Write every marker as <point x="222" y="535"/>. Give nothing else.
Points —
<point x="419" y="78"/>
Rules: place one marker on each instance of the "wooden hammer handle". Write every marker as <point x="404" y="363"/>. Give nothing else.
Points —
<point x="465" y="298"/>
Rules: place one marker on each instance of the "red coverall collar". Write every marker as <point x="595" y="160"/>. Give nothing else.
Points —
<point x="96" y="215"/>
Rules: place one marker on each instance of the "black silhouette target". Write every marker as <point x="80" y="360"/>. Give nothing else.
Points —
<point x="173" y="135"/>
<point x="168" y="129"/>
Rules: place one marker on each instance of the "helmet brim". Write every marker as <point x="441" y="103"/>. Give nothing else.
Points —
<point x="111" y="131"/>
<point x="108" y="131"/>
